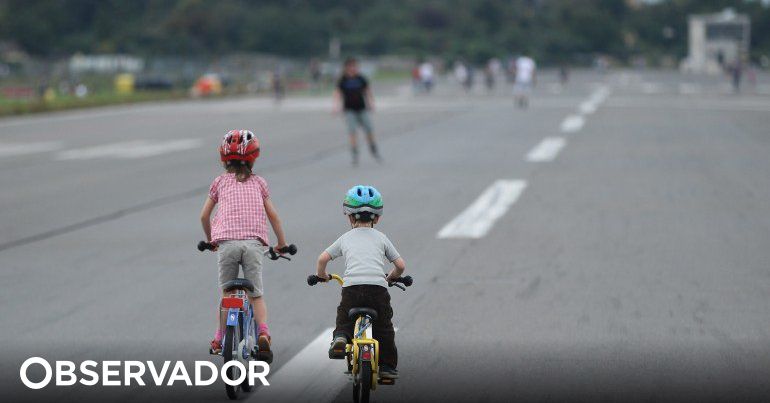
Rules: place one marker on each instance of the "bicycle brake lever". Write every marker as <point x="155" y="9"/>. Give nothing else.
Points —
<point x="397" y="285"/>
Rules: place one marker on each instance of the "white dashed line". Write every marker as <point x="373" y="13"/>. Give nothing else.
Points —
<point x="587" y="107"/>
<point x="476" y="220"/>
<point x="13" y="149"/>
<point x="572" y="123"/>
<point x="546" y="150"/>
<point x="130" y="149"/>
<point x="309" y="373"/>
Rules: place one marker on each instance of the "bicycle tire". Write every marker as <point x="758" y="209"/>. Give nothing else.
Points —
<point x="363" y="387"/>
<point x="366" y="381"/>
<point x="229" y="345"/>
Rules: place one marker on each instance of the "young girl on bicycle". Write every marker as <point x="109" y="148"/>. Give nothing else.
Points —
<point x="366" y="282"/>
<point x="239" y="228"/>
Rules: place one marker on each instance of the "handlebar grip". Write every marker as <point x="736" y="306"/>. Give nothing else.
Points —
<point x="203" y="245"/>
<point x="313" y="280"/>
<point x="276" y="254"/>
<point x="407" y="281"/>
<point x="290" y="249"/>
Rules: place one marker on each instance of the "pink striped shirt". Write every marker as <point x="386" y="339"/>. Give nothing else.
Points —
<point x="240" y="208"/>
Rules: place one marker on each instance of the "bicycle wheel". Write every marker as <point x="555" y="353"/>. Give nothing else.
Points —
<point x="362" y="388"/>
<point x="230" y="353"/>
<point x="250" y="338"/>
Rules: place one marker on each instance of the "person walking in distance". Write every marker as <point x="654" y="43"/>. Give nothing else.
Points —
<point x="354" y="96"/>
<point x="426" y="76"/>
<point x="524" y="79"/>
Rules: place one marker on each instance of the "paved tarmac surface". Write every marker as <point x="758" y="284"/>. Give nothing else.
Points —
<point x="632" y="266"/>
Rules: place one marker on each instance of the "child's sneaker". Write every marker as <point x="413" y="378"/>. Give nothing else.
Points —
<point x="388" y="372"/>
<point x="263" y="344"/>
<point x="337" y="349"/>
<point x="216" y="347"/>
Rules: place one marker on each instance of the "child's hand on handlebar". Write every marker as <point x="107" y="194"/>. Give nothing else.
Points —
<point x="278" y="251"/>
<point x="203" y="245"/>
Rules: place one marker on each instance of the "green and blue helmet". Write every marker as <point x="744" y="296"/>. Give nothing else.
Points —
<point x="362" y="199"/>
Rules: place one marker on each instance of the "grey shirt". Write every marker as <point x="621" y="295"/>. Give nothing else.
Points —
<point x="365" y="250"/>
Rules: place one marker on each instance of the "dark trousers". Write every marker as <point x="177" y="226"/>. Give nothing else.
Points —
<point x="377" y="298"/>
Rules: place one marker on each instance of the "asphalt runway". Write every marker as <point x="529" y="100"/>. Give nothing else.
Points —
<point x="610" y="243"/>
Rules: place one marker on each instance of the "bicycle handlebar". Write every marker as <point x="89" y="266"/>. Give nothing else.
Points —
<point x="271" y="252"/>
<point x="313" y="279"/>
<point x="406" y="281"/>
<point x="273" y="255"/>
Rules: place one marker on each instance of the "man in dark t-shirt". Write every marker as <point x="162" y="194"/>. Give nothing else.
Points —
<point x="354" y="96"/>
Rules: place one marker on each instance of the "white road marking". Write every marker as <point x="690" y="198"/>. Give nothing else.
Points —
<point x="587" y="107"/>
<point x="13" y="149"/>
<point x="596" y="98"/>
<point x="130" y="149"/>
<point x="309" y="373"/>
<point x="73" y="115"/>
<point x="546" y="150"/>
<point x="476" y="220"/>
<point x="572" y="123"/>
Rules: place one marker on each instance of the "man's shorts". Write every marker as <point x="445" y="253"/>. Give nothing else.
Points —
<point x="246" y="254"/>
<point x="358" y="118"/>
<point x="522" y="88"/>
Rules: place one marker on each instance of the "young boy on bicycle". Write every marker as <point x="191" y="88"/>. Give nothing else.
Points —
<point x="365" y="280"/>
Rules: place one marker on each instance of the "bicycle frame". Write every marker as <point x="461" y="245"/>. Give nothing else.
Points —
<point x="363" y="347"/>
<point x="239" y="309"/>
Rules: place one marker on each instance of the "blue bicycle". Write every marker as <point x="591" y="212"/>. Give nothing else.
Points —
<point x="240" y="339"/>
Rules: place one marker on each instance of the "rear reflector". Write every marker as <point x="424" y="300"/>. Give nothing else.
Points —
<point x="232" y="303"/>
<point x="366" y="355"/>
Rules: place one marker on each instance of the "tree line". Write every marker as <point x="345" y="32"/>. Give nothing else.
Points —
<point x="557" y="31"/>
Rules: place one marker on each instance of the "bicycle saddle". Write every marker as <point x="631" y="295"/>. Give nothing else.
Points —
<point x="356" y="312"/>
<point x="238" y="284"/>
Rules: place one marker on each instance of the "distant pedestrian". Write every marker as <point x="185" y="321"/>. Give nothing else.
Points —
<point x="524" y="80"/>
<point x="461" y="74"/>
<point x="354" y="96"/>
<point x="736" y="72"/>
<point x="279" y="90"/>
<point x="315" y="73"/>
<point x="416" y="82"/>
<point x="470" y="80"/>
<point x="426" y="75"/>
<point x="489" y="77"/>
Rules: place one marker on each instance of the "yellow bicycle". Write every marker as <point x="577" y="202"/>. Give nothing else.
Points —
<point x="362" y="353"/>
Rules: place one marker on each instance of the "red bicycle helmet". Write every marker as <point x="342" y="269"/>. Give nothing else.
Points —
<point x="239" y="145"/>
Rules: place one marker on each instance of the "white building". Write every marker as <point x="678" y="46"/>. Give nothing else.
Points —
<point x="105" y="64"/>
<point x="716" y="41"/>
